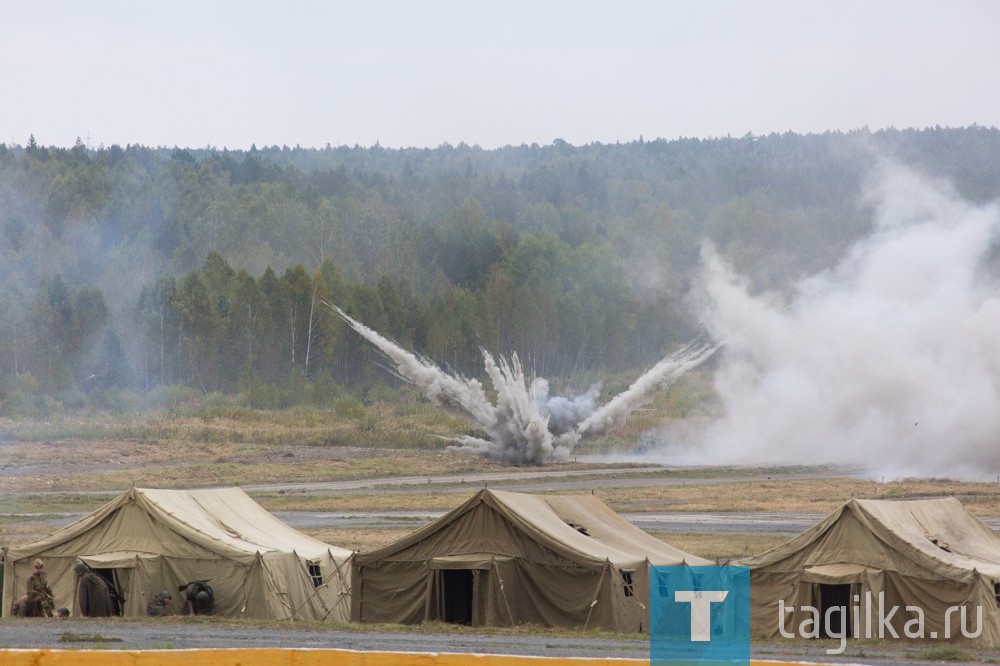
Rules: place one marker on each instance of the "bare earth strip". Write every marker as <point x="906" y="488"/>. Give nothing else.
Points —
<point x="344" y="494"/>
<point x="177" y="633"/>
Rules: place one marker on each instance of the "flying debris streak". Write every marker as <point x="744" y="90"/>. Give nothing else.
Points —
<point x="658" y="378"/>
<point x="456" y="395"/>
<point x="525" y="425"/>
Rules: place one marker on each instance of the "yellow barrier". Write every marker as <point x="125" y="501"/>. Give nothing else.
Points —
<point x="284" y="657"/>
<point x="299" y="657"/>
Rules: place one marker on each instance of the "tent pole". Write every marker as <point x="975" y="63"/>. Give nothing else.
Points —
<point x="503" y="594"/>
<point x="597" y="593"/>
<point x="345" y="590"/>
<point x="345" y="584"/>
<point x="315" y="589"/>
<point x="257" y="562"/>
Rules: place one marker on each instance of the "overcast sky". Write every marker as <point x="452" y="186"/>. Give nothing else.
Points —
<point x="196" y="73"/>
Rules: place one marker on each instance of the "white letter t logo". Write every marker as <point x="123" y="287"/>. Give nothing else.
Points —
<point x="701" y="610"/>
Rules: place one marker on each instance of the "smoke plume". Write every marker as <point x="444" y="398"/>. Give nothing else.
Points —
<point x="524" y="424"/>
<point x="889" y="361"/>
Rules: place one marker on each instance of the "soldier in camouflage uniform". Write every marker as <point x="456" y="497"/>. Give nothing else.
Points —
<point x="22" y="607"/>
<point x="160" y="605"/>
<point x="39" y="591"/>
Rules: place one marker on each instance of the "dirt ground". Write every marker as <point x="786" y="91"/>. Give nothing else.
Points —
<point x="26" y="469"/>
<point x="179" y="633"/>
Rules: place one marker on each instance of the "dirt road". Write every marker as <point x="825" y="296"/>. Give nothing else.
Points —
<point x="537" y="480"/>
<point x="179" y="633"/>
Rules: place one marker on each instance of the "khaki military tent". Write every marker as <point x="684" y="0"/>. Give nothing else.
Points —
<point x="150" y="540"/>
<point x="870" y="556"/>
<point x="506" y="558"/>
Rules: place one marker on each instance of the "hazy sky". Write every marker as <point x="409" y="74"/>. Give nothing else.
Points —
<point x="196" y="73"/>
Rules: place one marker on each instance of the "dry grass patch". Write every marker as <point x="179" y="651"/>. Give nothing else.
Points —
<point x="237" y="472"/>
<point x="359" y="539"/>
<point x="17" y="533"/>
<point x="721" y="547"/>
<point x="415" y="501"/>
<point x="408" y="425"/>
<point x="74" y="637"/>
<point x="239" y="448"/>
<point x="795" y="495"/>
<point x="66" y="465"/>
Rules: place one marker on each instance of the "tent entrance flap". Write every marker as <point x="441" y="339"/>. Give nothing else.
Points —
<point x="457" y="586"/>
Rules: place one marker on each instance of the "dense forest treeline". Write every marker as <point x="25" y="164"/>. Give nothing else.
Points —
<point x="126" y="270"/>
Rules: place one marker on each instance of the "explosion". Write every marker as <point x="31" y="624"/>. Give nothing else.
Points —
<point x="525" y="425"/>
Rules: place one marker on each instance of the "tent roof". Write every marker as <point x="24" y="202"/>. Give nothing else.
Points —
<point x="581" y="527"/>
<point x="229" y="516"/>
<point x="224" y="520"/>
<point x="937" y="534"/>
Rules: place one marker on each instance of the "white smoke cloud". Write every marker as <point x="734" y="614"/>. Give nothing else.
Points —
<point x="524" y="424"/>
<point x="889" y="362"/>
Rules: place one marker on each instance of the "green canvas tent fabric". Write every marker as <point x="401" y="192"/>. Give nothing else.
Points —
<point x="505" y="558"/>
<point x="149" y="540"/>
<point x="927" y="554"/>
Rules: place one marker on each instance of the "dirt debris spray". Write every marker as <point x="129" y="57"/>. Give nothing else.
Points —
<point x="525" y="425"/>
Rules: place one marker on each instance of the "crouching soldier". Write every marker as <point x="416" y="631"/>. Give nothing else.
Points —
<point x="27" y="605"/>
<point x="160" y="605"/>
<point x="199" y="598"/>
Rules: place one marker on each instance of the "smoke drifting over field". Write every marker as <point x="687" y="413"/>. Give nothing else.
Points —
<point x="525" y="424"/>
<point x="890" y="361"/>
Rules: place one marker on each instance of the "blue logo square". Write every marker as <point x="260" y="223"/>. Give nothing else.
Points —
<point x="699" y="615"/>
